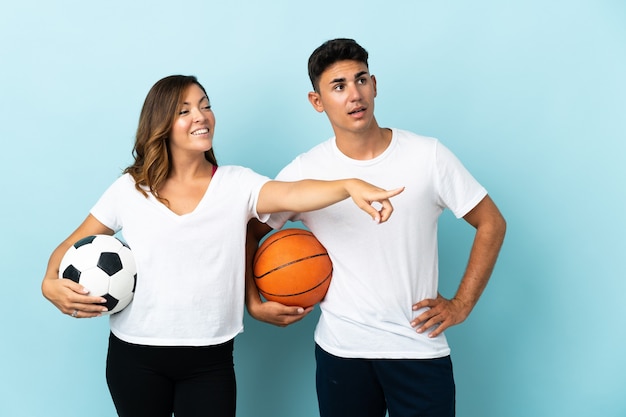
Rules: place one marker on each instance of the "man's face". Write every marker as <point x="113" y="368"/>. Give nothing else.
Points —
<point x="346" y="93"/>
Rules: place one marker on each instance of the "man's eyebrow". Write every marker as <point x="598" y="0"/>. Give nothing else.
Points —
<point x="338" y="80"/>
<point x="343" y="80"/>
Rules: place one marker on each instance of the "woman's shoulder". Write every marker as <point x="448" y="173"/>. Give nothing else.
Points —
<point x="124" y="180"/>
<point x="123" y="183"/>
<point x="237" y="173"/>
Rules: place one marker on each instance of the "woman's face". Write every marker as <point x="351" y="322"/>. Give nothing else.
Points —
<point x="195" y="123"/>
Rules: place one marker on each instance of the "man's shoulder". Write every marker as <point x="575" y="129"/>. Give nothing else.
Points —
<point x="402" y="134"/>
<point x="309" y="163"/>
<point x="322" y="149"/>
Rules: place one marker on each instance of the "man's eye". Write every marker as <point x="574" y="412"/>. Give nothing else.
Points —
<point x="339" y="87"/>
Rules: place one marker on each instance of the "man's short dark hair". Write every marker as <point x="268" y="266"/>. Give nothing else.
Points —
<point x="332" y="51"/>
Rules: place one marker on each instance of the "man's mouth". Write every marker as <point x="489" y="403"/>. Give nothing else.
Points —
<point x="357" y="110"/>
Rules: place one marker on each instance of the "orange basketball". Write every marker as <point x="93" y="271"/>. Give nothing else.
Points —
<point x="293" y="268"/>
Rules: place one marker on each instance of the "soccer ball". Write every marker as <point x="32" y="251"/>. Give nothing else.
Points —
<point x="105" y="266"/>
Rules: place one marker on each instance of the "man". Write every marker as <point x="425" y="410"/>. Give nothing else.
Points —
<point x="379" y="341"/>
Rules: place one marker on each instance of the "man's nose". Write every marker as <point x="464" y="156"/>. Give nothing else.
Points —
<point x="353" y="92"/>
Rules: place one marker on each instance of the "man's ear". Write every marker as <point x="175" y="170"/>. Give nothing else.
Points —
<point x="374" y="81"/>
<point x="316" y="101"/>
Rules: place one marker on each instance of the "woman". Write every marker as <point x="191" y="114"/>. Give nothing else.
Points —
<point x="170" y="351"/>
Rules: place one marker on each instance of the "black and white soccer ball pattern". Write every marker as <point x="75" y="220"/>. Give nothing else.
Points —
<point x="105" y="266"/>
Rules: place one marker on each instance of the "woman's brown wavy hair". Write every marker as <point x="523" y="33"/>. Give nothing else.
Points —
<point x="152" y="149"/>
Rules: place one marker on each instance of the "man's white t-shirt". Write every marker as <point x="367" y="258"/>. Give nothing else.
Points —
<point x="381" y="270"/>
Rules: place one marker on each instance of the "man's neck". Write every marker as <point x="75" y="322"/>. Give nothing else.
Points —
<point x="364" y="145"/>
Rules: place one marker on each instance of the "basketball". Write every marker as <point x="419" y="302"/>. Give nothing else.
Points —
<point x="293" y="268"/>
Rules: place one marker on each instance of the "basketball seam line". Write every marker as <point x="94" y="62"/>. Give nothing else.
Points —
<point x="299" y="233"/>
<point x="299" y="293"/>
<point x="290" y="263"/>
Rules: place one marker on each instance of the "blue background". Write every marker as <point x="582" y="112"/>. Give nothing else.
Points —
<point x="531" y="95"/>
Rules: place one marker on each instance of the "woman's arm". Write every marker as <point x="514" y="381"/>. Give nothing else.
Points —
<point x="308" y="195"/>
<point x="67" y="295"/>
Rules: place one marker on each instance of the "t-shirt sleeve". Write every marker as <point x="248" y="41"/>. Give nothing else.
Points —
<point x="254" y="182"/>
<point x="106" y="208"/>
<point x="458" y="190"/>
<point x="291" y="172"/>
